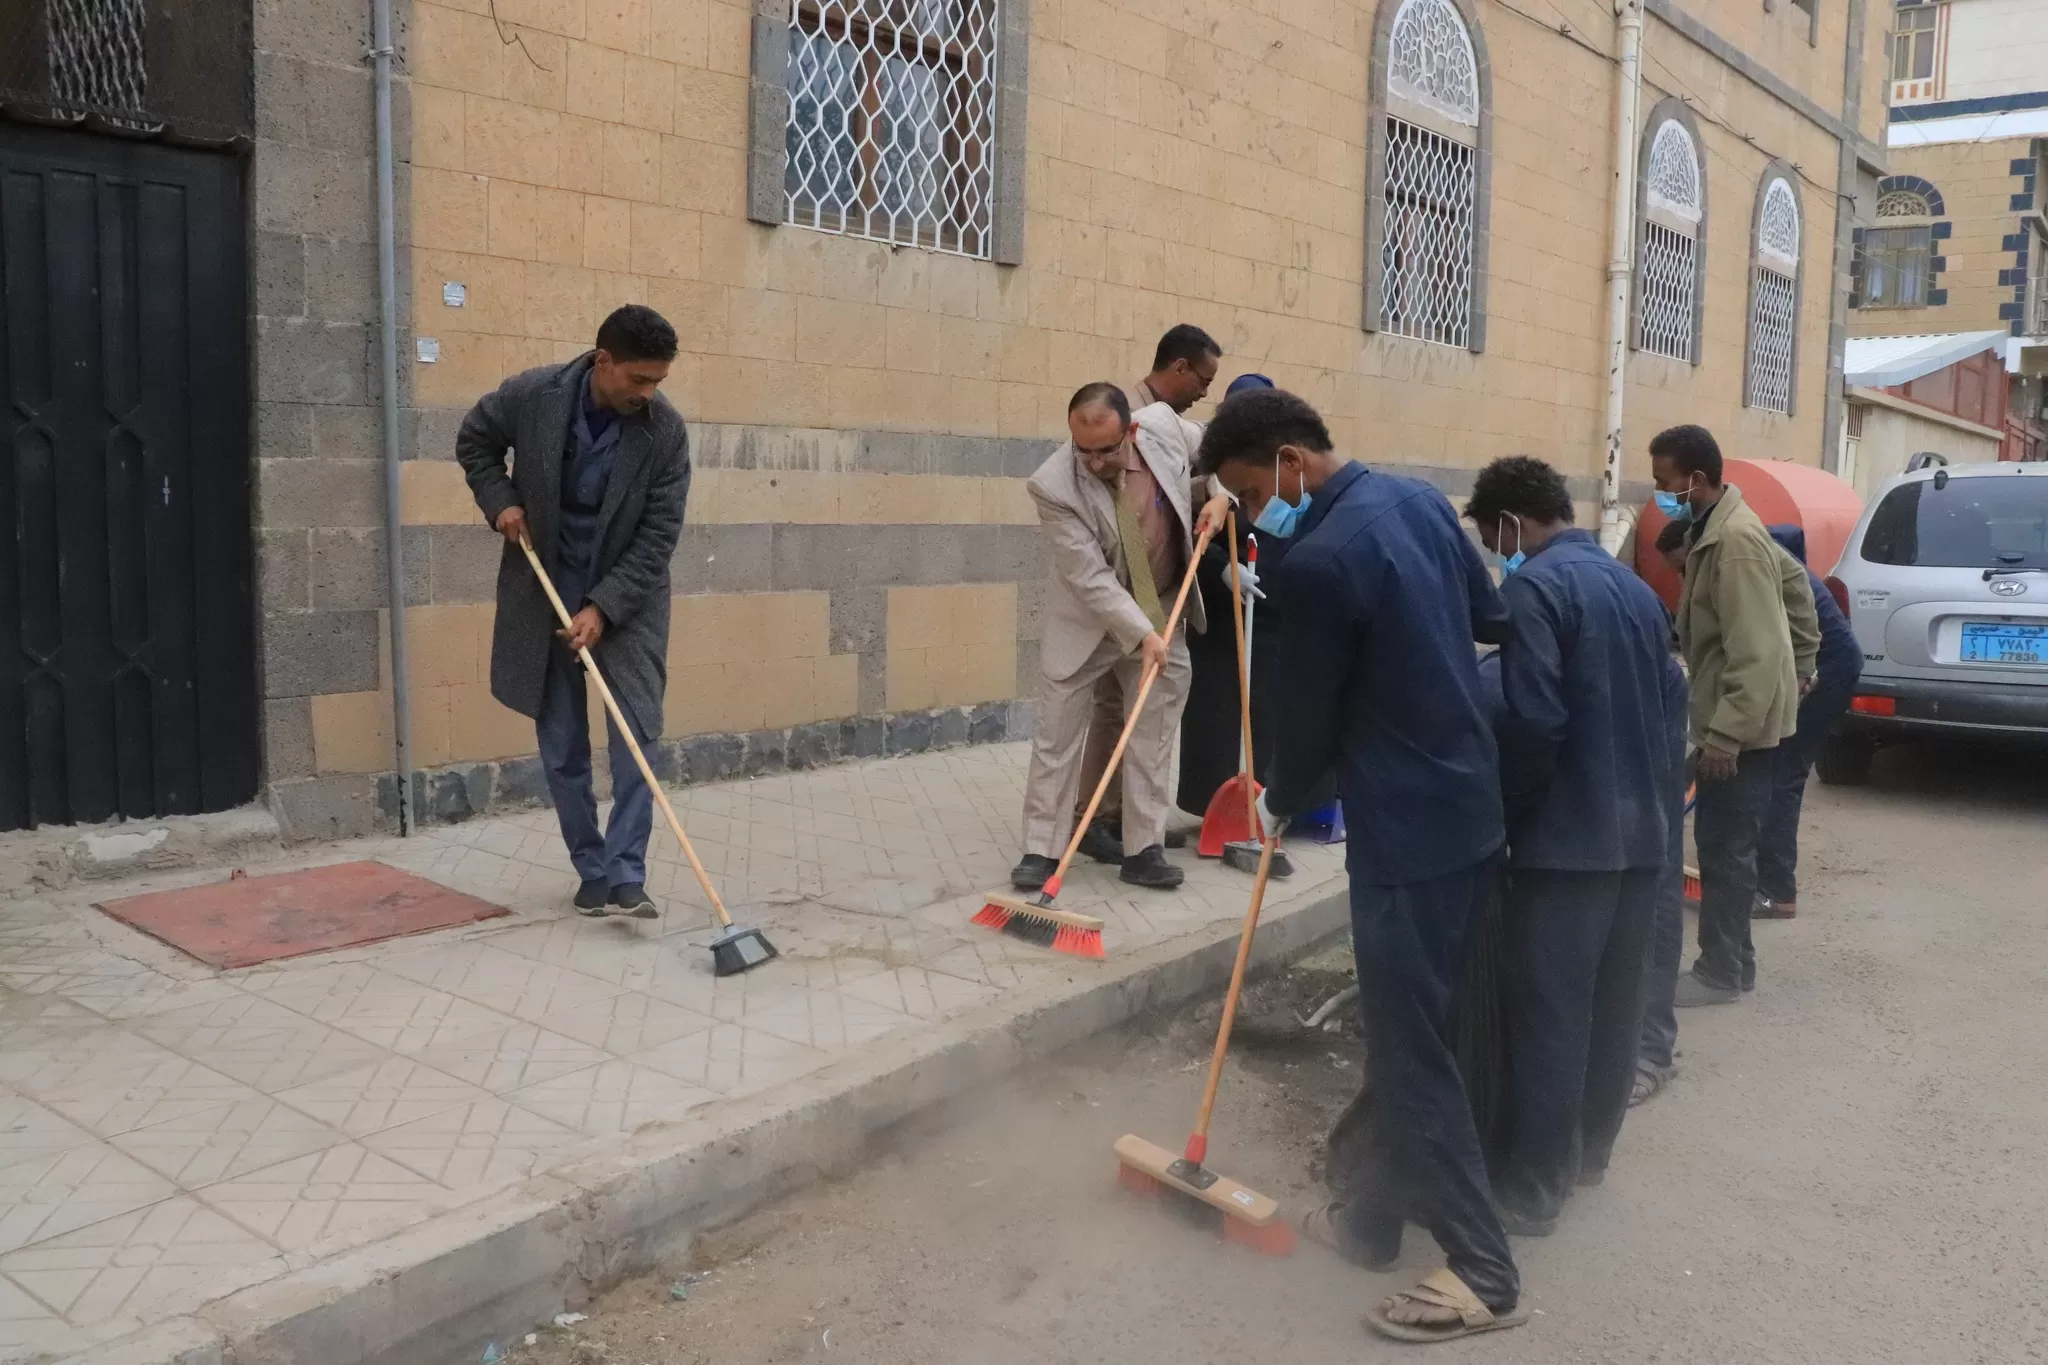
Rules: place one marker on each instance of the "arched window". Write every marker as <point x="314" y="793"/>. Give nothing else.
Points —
<point x="1895" y="265"/>
<point x="1426" y="242"/>
<point x="1773" y="294"/>
<point x="1671" y="219"/>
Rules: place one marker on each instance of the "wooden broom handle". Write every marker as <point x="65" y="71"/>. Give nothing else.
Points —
<point x="1244" y="684"/>
<point x="611" y="705"/>
<point x="1116" y="755"/>
<point x="1199" y="1141"/>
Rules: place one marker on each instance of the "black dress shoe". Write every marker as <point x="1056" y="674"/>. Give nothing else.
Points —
<point x="1031" y="871"/>
<point x="591" y="898"/>
<point x="631" y="898"/>
<point x="1150" y="868"/>
<point x="1103" y="842"/>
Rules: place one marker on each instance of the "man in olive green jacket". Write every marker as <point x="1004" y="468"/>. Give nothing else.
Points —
<point x="1738" y="620"/>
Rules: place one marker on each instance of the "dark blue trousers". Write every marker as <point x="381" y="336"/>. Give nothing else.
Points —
<point x="617" y="853"/>
<point x="1574" y="986"/>
<point x="1727" y="821"/>
<point x="1409" y="942"/>
<point x="1660" y="970"/>
<point x="1777" y="850"/>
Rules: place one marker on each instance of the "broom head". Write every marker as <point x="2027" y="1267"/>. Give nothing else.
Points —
<point x="1226" y="821"/>
<point x="738" y="950"/>
<point x="1033" y="922"/>
<point x="1692" y="886"/>
<point x="1244" y="855"/>
<point x="1240" y="1213"/>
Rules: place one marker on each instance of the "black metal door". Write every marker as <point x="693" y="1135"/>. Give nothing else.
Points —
<point x="127" y="677"/>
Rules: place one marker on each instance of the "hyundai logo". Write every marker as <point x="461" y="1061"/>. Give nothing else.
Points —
<point x="2008" y="587"/>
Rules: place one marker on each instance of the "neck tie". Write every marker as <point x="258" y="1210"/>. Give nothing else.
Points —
<point x="1137" y="560"/>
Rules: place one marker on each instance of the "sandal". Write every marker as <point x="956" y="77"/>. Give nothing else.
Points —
<point x="1465" y="1314"/>
<point x="1650" y="1079"/>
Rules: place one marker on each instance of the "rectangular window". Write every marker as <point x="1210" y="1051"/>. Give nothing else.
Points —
<point x="1978" y="523"/>
<point x="1426" y="255"/>
<point x="1770" y="340"/>
<point x="1664" y="324"/>
<point x="1895" y="266"/>
<point x="1916" y="45"/>
<point x="892" y="121"/>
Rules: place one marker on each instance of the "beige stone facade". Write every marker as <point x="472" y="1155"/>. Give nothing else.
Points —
<point x="859" y="543"/>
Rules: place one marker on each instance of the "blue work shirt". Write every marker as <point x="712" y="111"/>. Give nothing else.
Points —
<point x="1381" y="596"/>
<point x="1585" y="754"/>
<point x="587" y="459"/>
<point x="1841" y="659"/>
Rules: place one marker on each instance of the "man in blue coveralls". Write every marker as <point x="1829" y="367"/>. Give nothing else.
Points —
<point x="1588" y="778"/>
<point x="1383" y="595"/>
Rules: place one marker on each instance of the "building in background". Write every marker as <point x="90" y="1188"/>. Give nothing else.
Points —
<point x="894" y="235"/>
<point x="1960" y="242"/>
<point x="1910" y="395"/>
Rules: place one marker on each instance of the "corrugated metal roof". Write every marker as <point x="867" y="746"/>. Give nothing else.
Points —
<point x="1880" y="362"/>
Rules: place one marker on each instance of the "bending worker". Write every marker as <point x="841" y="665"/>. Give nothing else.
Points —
<point x="1116" y="503"/>
<point x="599" y="486"/>
<point x="1383" y="596"/>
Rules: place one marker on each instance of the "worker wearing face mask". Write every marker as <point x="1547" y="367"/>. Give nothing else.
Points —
<point x="1588" y="780"/>
<point x="1382" y="595"/>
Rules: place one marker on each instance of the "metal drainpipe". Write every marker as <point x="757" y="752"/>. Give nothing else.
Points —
<point x="1621" y="262"/>
<point x="387" y="359"/>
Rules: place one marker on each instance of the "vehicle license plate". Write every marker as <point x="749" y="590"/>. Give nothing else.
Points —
<point x="1997" y="642"/>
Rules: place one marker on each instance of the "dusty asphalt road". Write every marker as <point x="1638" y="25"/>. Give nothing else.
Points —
<point x="1851" y="1167"/>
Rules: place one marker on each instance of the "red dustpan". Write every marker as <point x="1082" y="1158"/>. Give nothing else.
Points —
<point x="1231" y="817"/>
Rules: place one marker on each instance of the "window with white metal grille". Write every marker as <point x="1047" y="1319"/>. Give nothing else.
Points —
<point x="1774" y="298"/>
<point x="1667" y="267"/>
<point x="892" y="121"/>
<point x="1431" y="186"/>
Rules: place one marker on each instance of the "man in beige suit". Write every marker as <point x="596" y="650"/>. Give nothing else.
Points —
<point x="1183" y="366"/>
<point x="1116" y="501"/>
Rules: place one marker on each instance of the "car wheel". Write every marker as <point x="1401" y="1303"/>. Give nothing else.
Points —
<point x="1844" y="761"/>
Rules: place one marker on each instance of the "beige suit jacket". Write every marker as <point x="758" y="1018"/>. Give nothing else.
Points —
<point x="1087" y="599"/>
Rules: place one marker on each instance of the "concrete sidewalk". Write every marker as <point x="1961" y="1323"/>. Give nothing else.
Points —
<point x="206" y="1157"/>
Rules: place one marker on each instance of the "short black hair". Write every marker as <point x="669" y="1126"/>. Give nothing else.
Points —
<point x="1184" y="341"/>
<point x="1522" y="486"/>
<point x="636" y="332"/>
<point x="1691" y="448"/>
<point x="1253" y="424"/>
<point x="1672" y="536"/>
<point x="1104" y="392"/>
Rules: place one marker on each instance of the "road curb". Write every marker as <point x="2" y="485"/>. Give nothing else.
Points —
<point x="489" y="1271"/>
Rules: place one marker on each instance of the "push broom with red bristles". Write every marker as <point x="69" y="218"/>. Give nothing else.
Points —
<point x="1035" y="920"/>
<point x="1194" y="1191"/>
<point x="1692" y="874"/>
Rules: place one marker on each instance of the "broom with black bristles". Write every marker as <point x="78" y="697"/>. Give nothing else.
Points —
<point x="1035" y="920"/>
<point x="735" y="950"/>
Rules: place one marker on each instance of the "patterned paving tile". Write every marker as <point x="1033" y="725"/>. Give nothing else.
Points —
<point x="500" y="980"/>
<point x="110" y="1081"/>
<point x="226" y="1140"/>
<point x="132" y="996"/>
<point x="323" y="1196"/>
<point x="369" y="1099"/>
<point x="60" y="1191"/>
<point x="732" y="1059"/>
<point x="143" y="1265"/>
<point x="613" y="1098"/>
<point x="26" y="1325"/>
<point x="920" y="993"/>
<point x="384" y="1008"/>
<point x="29" y="1131"/>
<point x="626" y="1023"/>
<point x="510" y="1054"/>
<point x="259" y="1042"/>
<point x="1002" y="962"/>
<point x="484" y="1143"/>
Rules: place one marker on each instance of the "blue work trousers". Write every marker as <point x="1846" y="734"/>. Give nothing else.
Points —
<point x="1777" y="850"/>
<point x="617" y="853"/>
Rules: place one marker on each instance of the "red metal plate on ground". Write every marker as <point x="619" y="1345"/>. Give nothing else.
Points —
<point x="248" y="920"/>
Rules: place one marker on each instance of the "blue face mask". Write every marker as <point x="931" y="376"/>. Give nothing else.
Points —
<point x="1279" y="517"/>
<point x="1677" y="506"/>
<point x="1517" y="559"/>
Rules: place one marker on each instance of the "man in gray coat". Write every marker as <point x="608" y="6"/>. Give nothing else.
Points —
<point x="598" y="484"/>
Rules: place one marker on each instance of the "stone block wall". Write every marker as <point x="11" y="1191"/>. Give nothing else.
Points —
<point x="860" y="567"/>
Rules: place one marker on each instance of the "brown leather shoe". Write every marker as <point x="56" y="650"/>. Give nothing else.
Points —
<point x="1766" y="908"/>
